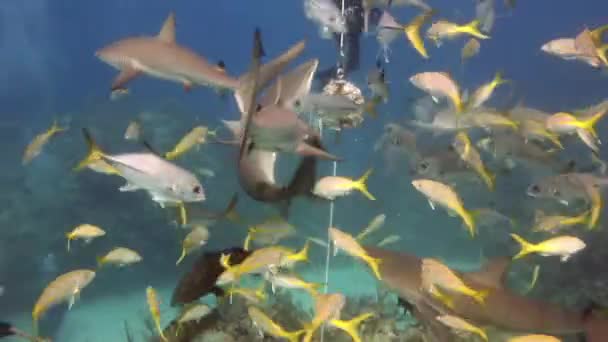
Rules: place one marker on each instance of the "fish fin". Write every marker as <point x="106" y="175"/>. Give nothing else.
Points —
<point x="374" y="264"/>
<point x="100" y="261"/>
<point x="247" y="241"/>
<point x="469" y="222"/>
<point x="534" y="279"/>
<point x="361" y="185"/>
<point x="492" y="274"/>
<point x="230" y="212"/>
<point x="472" y="28"/>
<point x="526" y="247"/>
<point x="181" y="257"/>
<point x="589" y="123"/>
<point x="303" y="180"/>
<point x="302" y="255"/>
<point x="167" y="32"/>
<point x="125" y="75"/>
<point x="128" y="187"/>
<point x="351" y="326"/>
<point x="69" y="237"/>
<point x="267" y="72"/>
<point x="95" y="153"/>
<point x="412" y="32"/>
<point x="151" y="149"/>
<point x="370" y="106"/>
<point x="295" y="335"/>
<point x="305" y="149"/>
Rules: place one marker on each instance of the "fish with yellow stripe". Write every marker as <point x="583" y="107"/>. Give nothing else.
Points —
<point x="469" y="154"/>
<point x="444" y="29"/>
<point x="154" y="307"/>
<point x="34" y="148"/>
<point x="266" y="325"/>
<point x="194" y="138"/>
<point x="331" y="187"/>
<point x="563" y="246"/>
<point x="349" y="244"/>
<point x="436" y="274"/>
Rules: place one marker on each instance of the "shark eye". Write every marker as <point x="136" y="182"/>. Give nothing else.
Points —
<point x="197" y="189"/>
<point x="535" y="189"/>
<point x="424" y="166"/>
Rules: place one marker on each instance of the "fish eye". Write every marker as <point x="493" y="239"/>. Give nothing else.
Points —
<point x="535" y="188"/>
<point x="297" y="103"/>
<point x="424" y="165"/>
<point x="196" y="189"/>
<point x="556" y="193"/>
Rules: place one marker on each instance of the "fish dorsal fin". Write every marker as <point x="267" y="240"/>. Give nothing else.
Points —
<point x="492" y="274"/>
<point x="167" y="32"/>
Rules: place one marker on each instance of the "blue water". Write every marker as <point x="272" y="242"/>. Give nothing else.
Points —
<point x="49" y="71"/>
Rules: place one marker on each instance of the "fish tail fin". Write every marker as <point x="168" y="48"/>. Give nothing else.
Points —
<point x="598" y="33"/>
<point x="361" y="184"/>
<point x="69" y="236"/>
<point x="302" y="255"/>
<point x="472" y="28"/>
<point x="100" y="261"/>
<point x="412" y="32"/>
<point x="374" y="264"/>
<point x="35" y="317"/>
<point x="593" y="216"/>
<point x="248" y="240"/>
<point x="499" y="79"/>
<point x="481" y="295"/>
<point x="181" y="257"/>
<point x="350" y="327"/>
<point x="526" y="247"/>
<point x="457" y="102"/>
<point x="589" y="124"/>
<point x="482" y="333"/>
<point x="295" y="335"/>
<point x="55" y="128"/>
<point x="171" y="155"/>
<point x="490" y="179"/>
<point x="468" y="219"/>
<point x="95" y="153"/>
<point x="371" y="106"/>
<point x="601" y="52"/>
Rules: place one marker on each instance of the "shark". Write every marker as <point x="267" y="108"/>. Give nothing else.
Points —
<point x="504" y="309"/>
<point x="160" y="56"/>
<point x="256" y="166"/>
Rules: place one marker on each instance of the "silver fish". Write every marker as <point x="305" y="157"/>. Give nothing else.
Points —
<point x="326" y="14"/>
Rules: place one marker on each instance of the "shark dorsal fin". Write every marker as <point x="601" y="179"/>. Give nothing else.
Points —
<point x="492" y="274"/>
<point x="167" y="32"/>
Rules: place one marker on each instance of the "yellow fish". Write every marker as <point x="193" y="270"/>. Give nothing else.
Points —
<point x="460" y="324"/>
<point x="445" y="196"/>
<point x="255" y="296"/>
<point x="349" y="244"/>
<point x="268" y="326"/>
<point x="484" y="92"/>
<point x="154" y="306"/>
<point x="563" y="246"/>
<point x="197" y="237"/>
<point x="120" y="256"/>
<point x="35" y="146"/>
<point x="66" y="287"/>
<point x="444" y="29"/>
<point x="86" y="232"/>
<point x="469" y="50"/>
<point x="534" y="338"/>
<point x="412" y="32"/>
<point x="291" y="282"/>
<point x="552" y="223"/>
<point x="435" y="273"/>
<point x="196" y="137"/>
<point x="331" y="187"/>
<point x="469" y="154"/>
<point x="566" y="123"/>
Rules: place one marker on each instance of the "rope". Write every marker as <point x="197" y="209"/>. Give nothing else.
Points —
<point x="340" y="75"/>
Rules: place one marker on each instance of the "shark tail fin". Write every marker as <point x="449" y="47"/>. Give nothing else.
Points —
<point x="526" y="247"/>
<point x="95" y="153"/>
<point x="350" y="327"/>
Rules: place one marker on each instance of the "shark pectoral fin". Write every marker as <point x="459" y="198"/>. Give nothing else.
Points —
<point x="124" y="77"/>
<point x="492" y="274"/>
<point x="305" y="149"/>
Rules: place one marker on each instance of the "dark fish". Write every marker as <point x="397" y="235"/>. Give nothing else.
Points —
<point x="201" y="279"/>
